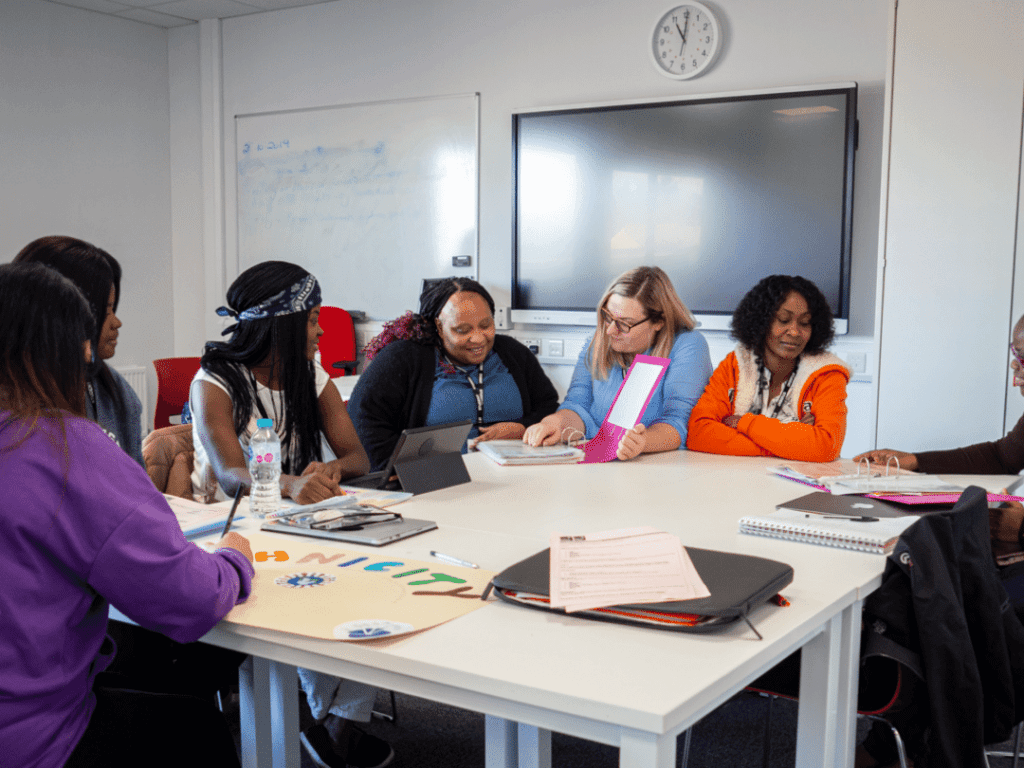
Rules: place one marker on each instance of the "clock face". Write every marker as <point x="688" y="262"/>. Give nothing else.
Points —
<point x="685" y="41"/>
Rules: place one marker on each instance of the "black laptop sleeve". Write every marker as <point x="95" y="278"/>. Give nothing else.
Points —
<point x="738" y="583"/>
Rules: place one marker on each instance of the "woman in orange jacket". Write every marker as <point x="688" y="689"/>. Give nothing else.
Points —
<point x="779" y="393"/>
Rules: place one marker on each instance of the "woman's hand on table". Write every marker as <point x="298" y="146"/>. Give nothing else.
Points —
<point x="237" y="542"/>
<point x="882" y="455"/>
<point x="503" y="430"/>
<point x="632" y="443"/>
<point x="309" y="488"/>
<point x="329" y="470"/>
<point x="547" y="431"/>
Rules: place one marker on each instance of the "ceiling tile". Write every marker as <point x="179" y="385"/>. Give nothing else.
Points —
<point x="154" y="18"/>
<point x="206" y="9"/>
<point x="103" y="6"/>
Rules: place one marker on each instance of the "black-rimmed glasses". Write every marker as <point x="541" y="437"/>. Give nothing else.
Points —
<point x="621" y="325"/>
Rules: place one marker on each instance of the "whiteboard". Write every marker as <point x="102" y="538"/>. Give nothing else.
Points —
<point x="370" y="198"/>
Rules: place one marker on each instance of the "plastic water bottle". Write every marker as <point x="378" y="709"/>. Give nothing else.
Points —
<point x="265" y="468"/>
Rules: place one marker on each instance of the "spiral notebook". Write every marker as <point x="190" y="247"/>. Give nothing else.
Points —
<point x="865" y="525"/>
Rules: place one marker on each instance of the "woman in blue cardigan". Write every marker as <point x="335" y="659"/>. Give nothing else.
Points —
<point x="640" y="313"/>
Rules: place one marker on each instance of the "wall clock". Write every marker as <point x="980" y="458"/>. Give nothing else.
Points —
<point x="685" y="41"/>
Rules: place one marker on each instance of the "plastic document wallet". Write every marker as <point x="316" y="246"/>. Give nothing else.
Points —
<point x="738" y="584"/>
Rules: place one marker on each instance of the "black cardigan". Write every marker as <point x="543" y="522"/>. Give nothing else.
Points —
<point x="395" y="390"/>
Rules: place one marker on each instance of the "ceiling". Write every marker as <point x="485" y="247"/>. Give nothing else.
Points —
<point x="177" y="13"/>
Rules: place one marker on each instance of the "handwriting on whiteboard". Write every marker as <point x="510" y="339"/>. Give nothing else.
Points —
<point x="264" y="147"/>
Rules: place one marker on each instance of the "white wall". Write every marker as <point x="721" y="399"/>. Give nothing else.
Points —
<point x="84" y="130"/>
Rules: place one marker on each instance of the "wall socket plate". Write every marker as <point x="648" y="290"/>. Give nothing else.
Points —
<point x="502" y="318"/>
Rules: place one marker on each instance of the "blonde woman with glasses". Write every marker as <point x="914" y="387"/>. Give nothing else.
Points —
<point x="640" y="313"/>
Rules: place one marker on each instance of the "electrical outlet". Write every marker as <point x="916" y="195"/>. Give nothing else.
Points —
<point x="858" y="362"/>
<point x="502" y="319"/>
<point x="556" y="348"/>
<point x="532" y="344"/>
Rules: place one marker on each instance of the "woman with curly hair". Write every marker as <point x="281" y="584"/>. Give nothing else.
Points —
<point x="779" y="393"/>
<point x="640" y="313"/>
<point x="447" y="364"/>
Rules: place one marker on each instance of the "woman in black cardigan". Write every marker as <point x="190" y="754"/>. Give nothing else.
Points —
<point x="447" y="364"/>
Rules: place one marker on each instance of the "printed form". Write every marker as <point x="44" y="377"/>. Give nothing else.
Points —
<point x="621" y="567"/>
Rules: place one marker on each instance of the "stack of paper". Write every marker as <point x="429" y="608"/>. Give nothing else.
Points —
<point x="196" y="519"/>
<point x="516" y="452"/>
<point x="621" y="567"/>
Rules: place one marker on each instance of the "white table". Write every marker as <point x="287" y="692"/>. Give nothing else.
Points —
<point x="532" y="672"/>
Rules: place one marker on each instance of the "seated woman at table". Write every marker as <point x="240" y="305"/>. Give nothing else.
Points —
<point x="83" y="527"/>
<point x="779" y="393"/>
<point x="640" y="313"/>
<point x="266" y="369"/>
<point x="447" y="364"/>
<point x="110" y="400"/>
<point x="1004" y="456"/>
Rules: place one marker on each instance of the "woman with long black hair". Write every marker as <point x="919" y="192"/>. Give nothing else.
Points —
<point x="83" y="527"/>
<point x="267" y="369"/>
<point x="110" y="400"/>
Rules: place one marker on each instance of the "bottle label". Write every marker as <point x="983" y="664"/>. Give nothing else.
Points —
<point x="269" y="457"/>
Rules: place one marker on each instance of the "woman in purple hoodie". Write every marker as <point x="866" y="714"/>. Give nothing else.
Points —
<point x="83" y="527"/>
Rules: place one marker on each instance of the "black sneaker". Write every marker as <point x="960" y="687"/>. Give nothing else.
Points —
<point x="358" y="750"/>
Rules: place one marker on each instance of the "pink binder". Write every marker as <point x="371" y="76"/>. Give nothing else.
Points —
<point x="637" y="387"/>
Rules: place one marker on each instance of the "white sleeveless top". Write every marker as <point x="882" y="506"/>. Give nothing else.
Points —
<point x="273" y="404"/>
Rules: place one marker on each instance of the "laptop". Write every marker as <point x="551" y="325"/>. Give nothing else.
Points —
<point x="424" y="459"/>
<point x="374" y="535"/>
<point x="846" y="506"/>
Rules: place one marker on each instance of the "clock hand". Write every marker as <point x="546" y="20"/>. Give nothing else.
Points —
<point x="682" y="35"/>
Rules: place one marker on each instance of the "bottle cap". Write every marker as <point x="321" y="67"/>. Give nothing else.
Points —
<point x="264" y="423"/>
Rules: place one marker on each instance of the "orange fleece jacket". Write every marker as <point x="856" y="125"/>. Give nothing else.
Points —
<point x="822" y="393"/>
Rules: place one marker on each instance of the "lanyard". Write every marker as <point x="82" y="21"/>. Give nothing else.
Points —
<point x="477" y="387"/>
<point x="259" y="403"/>
<point x="764" y="389"/>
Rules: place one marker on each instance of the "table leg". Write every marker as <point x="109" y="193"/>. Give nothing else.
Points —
<point x="534" y="747"/>
<point x="639" y="749"/>
<point x="501" y="743"/>
<point x="270" y="723"/>
<point x="826" y="719"/>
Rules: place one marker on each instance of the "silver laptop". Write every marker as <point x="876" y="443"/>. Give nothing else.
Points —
<point x="373" y="534"/>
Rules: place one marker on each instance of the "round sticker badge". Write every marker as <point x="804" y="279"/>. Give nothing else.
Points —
<point x="371" y="629"/>
<point x="303" y="580"/>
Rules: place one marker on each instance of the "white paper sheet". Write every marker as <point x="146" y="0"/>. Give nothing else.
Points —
<point x="620" y="567"/>
<point x="630" y="403"/>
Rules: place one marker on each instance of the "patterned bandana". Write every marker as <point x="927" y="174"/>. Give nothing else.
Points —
<point x="301" y="297"/>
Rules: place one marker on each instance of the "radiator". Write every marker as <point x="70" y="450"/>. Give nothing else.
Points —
<point x="135" y="375"/>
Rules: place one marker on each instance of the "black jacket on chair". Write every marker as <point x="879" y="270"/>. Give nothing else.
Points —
<point x="941" y="597"/>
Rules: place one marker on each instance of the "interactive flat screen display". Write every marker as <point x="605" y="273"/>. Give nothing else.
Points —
<point x="718" y="192"/>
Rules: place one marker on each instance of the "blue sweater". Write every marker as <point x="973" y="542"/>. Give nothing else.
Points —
<point x="672" y="401"/>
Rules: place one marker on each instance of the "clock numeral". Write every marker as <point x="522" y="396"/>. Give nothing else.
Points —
<point x="705" y="27"/>
<point x="695" y="62"/>
<point x="666" y="28"/>
<point x="664" y="54"/>
<point x="704" y="54"/>
<point x="662" y="41"/>
<point x="707" y="39"/>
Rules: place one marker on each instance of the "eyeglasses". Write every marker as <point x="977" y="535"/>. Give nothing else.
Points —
<point x="621" y="325"/>
<point x="1016" y="356"/>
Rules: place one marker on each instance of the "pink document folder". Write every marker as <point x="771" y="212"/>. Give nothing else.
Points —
<point x="631" y="400"/>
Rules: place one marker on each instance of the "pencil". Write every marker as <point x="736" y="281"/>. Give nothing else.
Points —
<point x="234" y="507"/>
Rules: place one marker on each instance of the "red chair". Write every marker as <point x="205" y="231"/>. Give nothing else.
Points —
<point x="338" y="344"/>
<point x="173" y="377"/>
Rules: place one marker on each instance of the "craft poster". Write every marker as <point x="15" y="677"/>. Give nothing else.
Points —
<point x="325" y="590"/>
